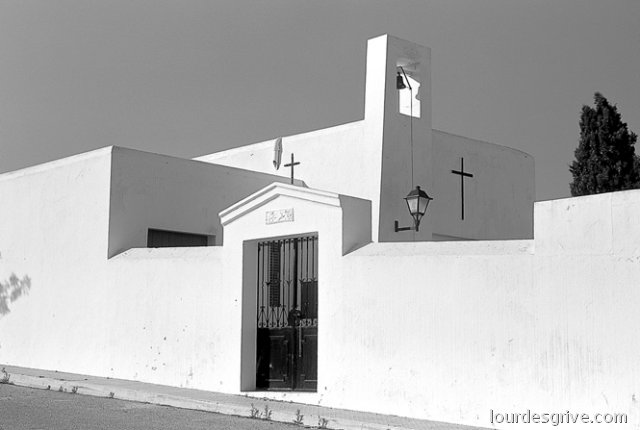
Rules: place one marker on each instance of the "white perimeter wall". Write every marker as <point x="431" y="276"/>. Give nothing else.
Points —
<point x="453" y="330"/>
<point x="146" y="314"/>
<point x="439" y="330"/>
<point x="53" y="229"/>
<point x="170" y="319"/>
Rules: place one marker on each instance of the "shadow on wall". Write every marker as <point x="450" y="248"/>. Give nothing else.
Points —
<point x="11" y="290"/>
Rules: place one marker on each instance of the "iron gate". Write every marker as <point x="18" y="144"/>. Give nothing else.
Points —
<point x="287" y="314"/>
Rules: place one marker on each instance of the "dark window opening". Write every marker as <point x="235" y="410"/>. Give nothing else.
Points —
<point x="274" y="275"/>
<point x="170" y="239"/>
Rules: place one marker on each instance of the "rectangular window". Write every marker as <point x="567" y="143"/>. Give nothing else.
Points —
<point x="163" y="239"/>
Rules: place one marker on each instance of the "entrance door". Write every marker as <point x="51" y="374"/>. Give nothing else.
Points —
<point x="287" y="314"/>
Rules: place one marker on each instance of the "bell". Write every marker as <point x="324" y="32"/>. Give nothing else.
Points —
<point x="400" y="82"/>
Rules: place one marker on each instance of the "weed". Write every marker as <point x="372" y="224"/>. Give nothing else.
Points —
<point x="299" y="418"/>
<point x="5" y="376"/>
<point x="74" y="389"/>
<point x="255" y="413"/>
<point x="322" y="422"/>
<point x="111" y="394"/>
<point x="267" y="413"/>
<point x="48" y="387"/>
<point x="61" y="389"/>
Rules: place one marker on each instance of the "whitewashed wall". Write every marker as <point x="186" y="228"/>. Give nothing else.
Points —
<point x="169" y="318"/>
<point x="53" y="230"/>
<point x="439" y="330"/>
<point x="498" y="199"/>
<point x="453" y="330"/>
<point x="143" y="315"/>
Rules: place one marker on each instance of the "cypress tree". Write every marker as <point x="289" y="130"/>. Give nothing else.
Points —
<point x="605" y="157"/>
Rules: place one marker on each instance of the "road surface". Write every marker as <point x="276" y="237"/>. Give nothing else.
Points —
<point x="25" y="408"/>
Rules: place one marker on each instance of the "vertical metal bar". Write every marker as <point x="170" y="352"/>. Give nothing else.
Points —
<point x="274" y="277"/>
<point x="265" y="267"/>
<point x="258" y="287"/>
<point x="268" y="298"/>
<point x="290" y="304"/>
<point x="285" y="281"/>
<point x="315" y="277"/>
<point x="276" y="263"/>
<point x="306" y="258"/>
<point x="295" y="272"/>
<point x="265" y="303"/>
<point x="263" y="285"/>
<point x="462" y="184"/>
<point x="276" y="267"/>
<point x="281" y="280"/>
<point x="291" y="273"/>
<point x="306" y="277"/>
<point x="288" y="284"/>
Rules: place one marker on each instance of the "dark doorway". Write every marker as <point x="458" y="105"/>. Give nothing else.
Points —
<point x="287" y="314"/>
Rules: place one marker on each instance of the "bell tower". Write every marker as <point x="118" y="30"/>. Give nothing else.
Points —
<point x="398" y="114"/>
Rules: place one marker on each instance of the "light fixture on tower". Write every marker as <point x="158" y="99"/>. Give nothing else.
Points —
<point x="417" y="203"/>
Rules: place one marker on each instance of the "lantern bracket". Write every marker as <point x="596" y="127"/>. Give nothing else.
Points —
<point x="398" y="228"/>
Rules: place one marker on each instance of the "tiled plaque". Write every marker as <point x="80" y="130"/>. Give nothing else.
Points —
<point x="280" y="215"/>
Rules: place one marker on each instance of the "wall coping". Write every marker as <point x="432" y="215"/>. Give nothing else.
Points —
<point x="194" y="252"/>
<point x="453" y="248"/>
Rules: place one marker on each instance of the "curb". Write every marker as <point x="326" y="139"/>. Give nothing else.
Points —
<point x="259" y="409"/>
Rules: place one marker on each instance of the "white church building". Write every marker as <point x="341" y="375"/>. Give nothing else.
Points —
<point x="284" y="269"/>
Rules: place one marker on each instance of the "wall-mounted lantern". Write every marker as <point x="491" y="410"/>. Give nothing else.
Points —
<point x="417" y="202"/>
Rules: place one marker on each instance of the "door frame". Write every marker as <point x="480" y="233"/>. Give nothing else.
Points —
<point x="249" y="332"/>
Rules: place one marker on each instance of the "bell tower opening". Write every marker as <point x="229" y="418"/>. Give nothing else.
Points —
<point x="409" y="91"/>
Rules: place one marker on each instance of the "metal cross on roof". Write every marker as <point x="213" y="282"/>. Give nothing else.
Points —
<point x="292" y="165"/>
<point x="462" y="174"/>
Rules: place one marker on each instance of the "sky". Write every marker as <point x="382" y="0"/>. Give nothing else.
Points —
<point x="188" y="78"/>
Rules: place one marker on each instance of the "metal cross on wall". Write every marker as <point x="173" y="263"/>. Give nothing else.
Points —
<point x="292" y="165"/>
<point x="462" y="174"/>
